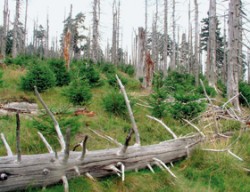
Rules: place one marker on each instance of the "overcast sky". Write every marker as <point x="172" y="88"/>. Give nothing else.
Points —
<point x="132" y="15"/>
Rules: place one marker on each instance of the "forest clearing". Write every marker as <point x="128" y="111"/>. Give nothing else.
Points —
<point x="171" y="114"/>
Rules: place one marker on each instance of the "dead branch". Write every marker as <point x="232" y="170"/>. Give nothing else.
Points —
<point x="125" y="146"/>
<point x="56" y="124"/>
<point x="164" y="125"/>
<point x="8" y="149"/>
<point x="84" y="143"/>
<point x="18" y="145"/>
<point x="196" y="128"/>
<point x="132" y="119"/>
<point x="46" y="143"/>
<point x="66" y="152"/>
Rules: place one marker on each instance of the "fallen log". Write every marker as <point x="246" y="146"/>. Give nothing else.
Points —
<point x="47" y="169"/>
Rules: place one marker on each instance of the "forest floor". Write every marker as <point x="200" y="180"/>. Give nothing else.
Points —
<point x="203" y="171"/>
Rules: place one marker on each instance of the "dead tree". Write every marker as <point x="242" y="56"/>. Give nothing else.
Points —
<point x="165" y="51"/>
<point x="173" y="58"/>
<point x="248" y="64"/>
<point x="211" y="48"/>
<point x="140" y="54"/>
<point x="95" y="31"/>
<point x="4" y="34"/>
<point x="47" y="38"/>
<point x="25" y="25"/>
<point x="233" y="54"/>
<point x="155" y="43"/>
<point x="196" y="45"/>
<point x="15" y="30"/>
<point x="114" y="34"/>
<point x="19" y="172"/>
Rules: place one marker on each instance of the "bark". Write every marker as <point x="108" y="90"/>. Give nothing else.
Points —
<point x="4" y="35"/>
<point x="25" y="25"/>
<point x="233" y="62"/>
<point x="224" y="71"/>
<point x="173" y="59"/>
<point x="211" y="48"/>
<point x="15" y="31"/>
<point x="140" y="54"/>
<point x="114" y="34"/>
<point x="196" y="45"/>
<point x="95" y="30"/>
<point x="165" y="53"/>
<point x="155" y="49"/>
<point x="248" y="64"/>
<point x="47" y="39"/>
<point x="44" y="169"/>
<point x="190" y="43"/>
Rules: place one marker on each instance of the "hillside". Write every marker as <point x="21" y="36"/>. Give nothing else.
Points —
<point x="171" y="100"/>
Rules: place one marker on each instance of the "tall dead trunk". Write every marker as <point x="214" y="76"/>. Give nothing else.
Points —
<point x="140" y="54"/>
<point x="47" y="39"/>
<point x="211" y="48"/>
<point x="114" y="34"/>
<point x="25" y="25"/>
<point x="190" y="41"/>
<point x="95" y="31"/>
<point x="4" y="35"/>
<point x="165" y="51"/>
<point x="248" y="64"/>
<point x="155" y="37"/>
<point x="173" y="58"/>
<point x="224" y="71"/>
<point x="233" y="54"/>
<point x="15" y="30"/>
<point x="196" y="45"/>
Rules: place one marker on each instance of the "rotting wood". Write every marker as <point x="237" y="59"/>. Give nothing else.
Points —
<point x="30" y="172"/>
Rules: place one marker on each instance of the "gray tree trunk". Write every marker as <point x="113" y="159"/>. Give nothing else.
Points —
<point x="114" y="34"/>
<point x="155" y="37"/>
<point x="95" y="31"/>
<point x="25" y="26"/>
<point x="211" y="48"/>
<point x="173" y="58"/>
<point x="140" y="61"/>
<point x="15" y="30"/>
<point x="233" y="62"/>
<point x="248" y="64"/>
<point x="165" y="52"/>
<point x="4" y="35"/>
<point x="196" y="45"/>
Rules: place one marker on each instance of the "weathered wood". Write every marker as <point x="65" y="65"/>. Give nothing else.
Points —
<point x="44" y="169"/>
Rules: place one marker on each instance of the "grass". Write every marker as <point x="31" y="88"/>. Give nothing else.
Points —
<point x="203" y="171"/>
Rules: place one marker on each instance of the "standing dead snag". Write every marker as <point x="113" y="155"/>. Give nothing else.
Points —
<point x="131" y="115"/>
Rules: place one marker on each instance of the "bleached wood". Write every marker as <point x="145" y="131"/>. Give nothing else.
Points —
<point x="164" y="125"/>
<point x="150" y="168"/>
<point x="166" y="167"/>
<point x="56" y="125"/>
<point x="46" y="143"/>
<point x="106" y="137"/>
<point x="29" y="173"/>
<point x="66" y="151"/>
<point x="196" y="128"/>
<point x="234" y="155"/>
<point x="230" y="100"/>
<point x="84" y="143"/>
<point x="8" y="149"/>
<point x="77" y="170"/>
<point x="65" y="184"/>
<point x="122" y="170"/>
<point x="90" y="176"/>
<point x="131" y="115"/>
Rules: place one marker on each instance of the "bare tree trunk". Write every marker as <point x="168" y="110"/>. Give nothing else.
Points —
<point x="196" y="45"/>
<point x="118" y="30"/>
<point x="173" y="59"/>
<point x="25" y="25"/>
<point x="114" y="36"/>
<point x="15" y="31"/>
<point x="248" y="64"/>
<point x="190" y="43"/>
<point x="233" y="62"/>
<point x="95" y="32"/>
<point x="211" y="48"/>
<point x="140" y="54"/>
<point x="47" y="38"/>
<point x="155" y="37"/>
<point x="165" y="53"/>
<point x="4" y="35"/>
<point x="224" y="71"/>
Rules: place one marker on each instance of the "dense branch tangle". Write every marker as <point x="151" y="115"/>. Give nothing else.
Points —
<point x="21" y="171"/>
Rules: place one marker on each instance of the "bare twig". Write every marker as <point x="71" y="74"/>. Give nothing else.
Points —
<point x="122" y="170"/>
<point x="163" y="164"/>
<point x="46" y="142"/>
<point x="18" y="145"/>
<point x="56" y="124"/>
<point x="106" y="137"/>
<point x="84" y="147"/>
<point x="150" y="168"/>
<point x="132" y="119"/>
<point x="90" y="176"/>
<point x="225" y="104"/>
<point x="77" y="170"/>
<point x="65" y="184"/>
<point x="196" y="128"/>
<point x="164" y="125"/>
<point x="125" y="146"/>
<point x="8" y="149"/>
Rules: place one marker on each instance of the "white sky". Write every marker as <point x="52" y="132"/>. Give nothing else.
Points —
<point x="132" y="15"/>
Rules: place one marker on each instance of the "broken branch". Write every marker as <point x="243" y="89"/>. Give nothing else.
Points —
<point x="18" y="146"/>
<point x="46" y="142"/>
<point x="56" y="124"/>
<point x="8" y="149"/>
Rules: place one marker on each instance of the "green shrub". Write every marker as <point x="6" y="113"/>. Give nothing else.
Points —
<point x="244" y="89"/>
<point x="62" y="75"/>
<point x="114" y="103"/>
<point x="39" y="75"/>
<point x="210" y="91"/>
<point x="89" y="73"/>
<point x="108" y="68"/>
<point x="78" y="92"/>
<point x="129" y="69"/>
